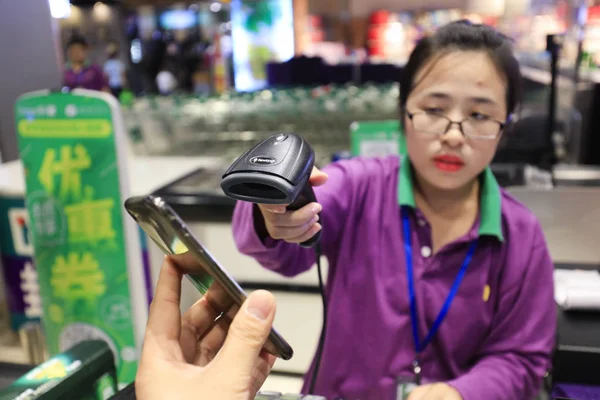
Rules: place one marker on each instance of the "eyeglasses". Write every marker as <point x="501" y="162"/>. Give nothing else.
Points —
<point x="438" y="124"/>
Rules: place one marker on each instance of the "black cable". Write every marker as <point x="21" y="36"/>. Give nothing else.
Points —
<point x="319" y="352"/>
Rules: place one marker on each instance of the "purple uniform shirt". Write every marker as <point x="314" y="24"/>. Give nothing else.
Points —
<point x="90" y="77"/>
<point x="498" y="335"/>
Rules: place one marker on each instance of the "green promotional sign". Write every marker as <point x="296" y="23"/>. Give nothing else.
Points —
<point x="68" y="151"/>
<point x="377" y="138"/>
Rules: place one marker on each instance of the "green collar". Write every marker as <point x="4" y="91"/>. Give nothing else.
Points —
<point x="490" y="213"/>
<point x="85" y="64"/>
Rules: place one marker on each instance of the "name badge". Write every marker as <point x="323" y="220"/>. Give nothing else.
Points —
<point x="404" y="387"/>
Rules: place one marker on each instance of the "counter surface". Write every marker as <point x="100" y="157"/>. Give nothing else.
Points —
<point x="146" y="174"/>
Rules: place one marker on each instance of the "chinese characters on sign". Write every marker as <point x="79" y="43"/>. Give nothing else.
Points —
<point x="31" y="291"/>
<point x="77" y="278"/>
<point x="89" y="221"/>
<point x="73" y="197"/>
<point x="47" y="220"/>
<point x="73" y="160"/>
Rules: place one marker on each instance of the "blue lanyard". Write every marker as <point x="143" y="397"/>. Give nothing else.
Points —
<point x="420" y="346"/>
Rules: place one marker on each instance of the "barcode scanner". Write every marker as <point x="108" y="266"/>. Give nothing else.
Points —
<point x="275" y="171"/>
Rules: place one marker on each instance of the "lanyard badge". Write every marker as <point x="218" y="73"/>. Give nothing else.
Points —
<point x="420" y="346"/>
<point x="417" y="369"/>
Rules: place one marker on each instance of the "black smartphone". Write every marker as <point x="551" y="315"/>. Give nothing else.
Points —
<point x="169" y="232"/>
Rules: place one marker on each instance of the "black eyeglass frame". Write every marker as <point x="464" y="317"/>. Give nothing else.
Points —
<point x="501" y="125"/>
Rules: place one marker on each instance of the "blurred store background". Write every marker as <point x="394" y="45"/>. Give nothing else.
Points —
<point x="199" y="82"/>
<point x="210" y="72"/>
<point x="218" y="73"/>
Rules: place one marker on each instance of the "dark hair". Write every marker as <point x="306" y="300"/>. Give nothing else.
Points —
<point x="465" y="36"/>
<point x="77" y="40"/>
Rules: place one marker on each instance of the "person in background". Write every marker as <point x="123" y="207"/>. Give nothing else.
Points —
<point x="79" y="71"/>
<point x="115" y="70"/>
<point x="193" y="357"/>
<point x="440" y="283"/>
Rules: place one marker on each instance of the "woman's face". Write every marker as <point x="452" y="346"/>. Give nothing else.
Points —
<point x="77" y="53"/>
<point x="458" y="85"/>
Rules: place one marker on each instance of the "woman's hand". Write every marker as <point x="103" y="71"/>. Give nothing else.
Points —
<point x="435" y="391"/>
<point x="195" y="357"/>
<point x="294" y="226"/>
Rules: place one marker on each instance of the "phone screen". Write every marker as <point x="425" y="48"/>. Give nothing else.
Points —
<point x="168" y="231"/>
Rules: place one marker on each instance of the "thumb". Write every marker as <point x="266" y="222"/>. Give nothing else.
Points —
<point x="247" y="334"/>
<point x="419" y="392"/>
<point x="317" y="177"/>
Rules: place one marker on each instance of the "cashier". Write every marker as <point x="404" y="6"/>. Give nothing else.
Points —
<point x="440" y="282"/>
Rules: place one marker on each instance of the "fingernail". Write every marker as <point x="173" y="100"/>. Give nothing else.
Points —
<point x="317" y="208"/>
<point x="260" y="304"/>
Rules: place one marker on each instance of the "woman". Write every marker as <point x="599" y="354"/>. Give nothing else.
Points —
<point x="464" y="235"/>
<point x="79" y="71"/>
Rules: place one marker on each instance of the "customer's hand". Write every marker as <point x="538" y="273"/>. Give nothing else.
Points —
<point x="435" y="391"/>
<point x="194" y="357"/>
<point x="294" y="226"/>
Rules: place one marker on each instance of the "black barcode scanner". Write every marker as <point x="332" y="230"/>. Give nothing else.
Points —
<point x="275" y="171"/>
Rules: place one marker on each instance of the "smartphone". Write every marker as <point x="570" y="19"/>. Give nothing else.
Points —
<point x="160" y="222"/>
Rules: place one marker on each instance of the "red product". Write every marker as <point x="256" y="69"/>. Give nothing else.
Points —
<point x="315" y="21"/>
<point x="376" y="33"/>
<point x="379" y="17"/>
<point x="376" y="44"/>
<point x="316" y="32"/>
<point x="593" y="14"/>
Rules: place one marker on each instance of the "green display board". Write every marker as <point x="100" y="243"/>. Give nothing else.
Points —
<point x="68" y="150"/>
<point x="377" y="138"/>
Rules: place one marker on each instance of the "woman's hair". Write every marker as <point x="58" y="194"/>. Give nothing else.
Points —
<point x="465" y="36"/>
<point x="77" y="40"/>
